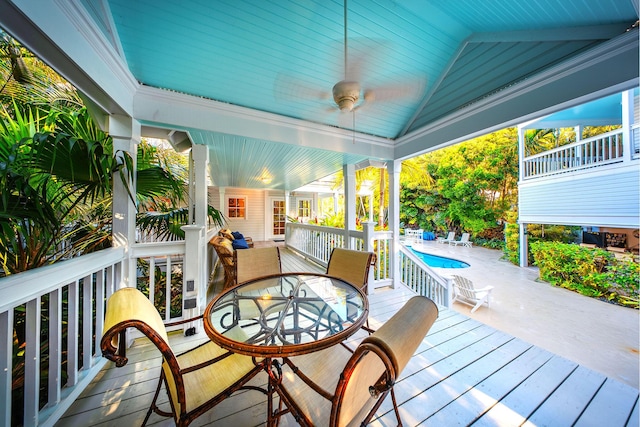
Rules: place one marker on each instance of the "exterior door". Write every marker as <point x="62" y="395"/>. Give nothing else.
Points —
<point x="278" y="217"/>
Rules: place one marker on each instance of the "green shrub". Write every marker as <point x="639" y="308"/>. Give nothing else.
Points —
<point x="591" y="272"/>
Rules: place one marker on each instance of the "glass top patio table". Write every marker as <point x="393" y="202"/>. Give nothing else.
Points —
<point x="285" y="315"/>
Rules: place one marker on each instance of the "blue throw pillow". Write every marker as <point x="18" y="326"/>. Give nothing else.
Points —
<point x="240" y="244"/>
<point x="237" y="235"/>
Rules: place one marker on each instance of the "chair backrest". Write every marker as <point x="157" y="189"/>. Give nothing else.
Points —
<point x="464" y="287"/>
<point x="465" y="237"/>
<point x="378" y="361"/>
<point x="451" y="235"/>
<point x="129" y="308"/>
<point x="351" y="266"/>
<point x="225" y="251"/>
<point x="256" y="262"/>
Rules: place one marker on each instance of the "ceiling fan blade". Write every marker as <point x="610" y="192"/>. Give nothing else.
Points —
<point x="289" y="88"/>
<point x="364" y="56"/>
<point x="410" y="90"/>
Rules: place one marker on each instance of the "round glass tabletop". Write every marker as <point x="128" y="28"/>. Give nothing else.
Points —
<point x="285" y="314"/>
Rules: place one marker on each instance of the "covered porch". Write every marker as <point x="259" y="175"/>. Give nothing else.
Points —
<point x="464" y="373"/>
<point x="466" y="370"/>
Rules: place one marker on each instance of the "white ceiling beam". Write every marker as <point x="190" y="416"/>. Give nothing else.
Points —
<point x="180" y="111"/>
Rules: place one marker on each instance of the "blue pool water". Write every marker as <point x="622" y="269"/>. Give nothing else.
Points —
<point x="439" y="261"/>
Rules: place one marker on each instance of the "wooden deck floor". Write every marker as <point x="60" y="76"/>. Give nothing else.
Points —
<point x="464" y="373"/>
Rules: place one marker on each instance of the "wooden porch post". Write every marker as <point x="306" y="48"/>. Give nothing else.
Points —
<point x="349" y="172"/>
<point x="627" y="123"/>
<point x="125" y="132"/>
<point x="393" y="169"/>
<point x="524" y="248"/>
<point x="194" y="287"/>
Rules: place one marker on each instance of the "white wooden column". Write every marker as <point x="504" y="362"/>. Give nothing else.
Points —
<point x="349" y="172"/>
<point x="522" y="237"/>
<point x="524" y="246"/>
<point x="195" y="280"/>
<point x="393" y="169"/>
<point x="200" y="163"/>
<point x="627" y="123"/>
<point x="125" y="132"/>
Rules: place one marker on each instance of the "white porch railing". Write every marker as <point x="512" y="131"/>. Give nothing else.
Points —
<point x="160" y="275"/>
<point x="600" y="150"/>
<point x="57" y="311"/>
<point x="316" y="242"/>
<point x="423" y="280"/>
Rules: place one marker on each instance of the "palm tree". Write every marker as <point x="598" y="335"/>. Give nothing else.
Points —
<point x="57" y="167"/>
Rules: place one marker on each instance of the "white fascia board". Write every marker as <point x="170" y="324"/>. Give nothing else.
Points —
<point x="181" y="111"/>
<point x="608" y="68"/>
<point x="63" y="35"/>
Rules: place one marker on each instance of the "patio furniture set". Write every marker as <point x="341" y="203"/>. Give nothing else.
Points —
<point x="289" y="327"/>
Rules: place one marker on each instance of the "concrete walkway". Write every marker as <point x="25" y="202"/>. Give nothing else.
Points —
<point x="593" y="333"/>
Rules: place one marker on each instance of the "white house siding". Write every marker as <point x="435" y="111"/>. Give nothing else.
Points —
<point x="603" y="197"/>
<point x="254" y="225"/>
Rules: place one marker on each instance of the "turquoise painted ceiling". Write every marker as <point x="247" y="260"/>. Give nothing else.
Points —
<point x="421" y="59"/>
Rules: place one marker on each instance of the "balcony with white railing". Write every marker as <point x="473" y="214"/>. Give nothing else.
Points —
<point x="600" y="150"/>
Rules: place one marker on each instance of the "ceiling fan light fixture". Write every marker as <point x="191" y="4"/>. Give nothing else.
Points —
<point x="346" y="94"/>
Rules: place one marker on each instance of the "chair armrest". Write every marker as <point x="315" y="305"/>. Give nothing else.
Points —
<point x="485" y="289"/>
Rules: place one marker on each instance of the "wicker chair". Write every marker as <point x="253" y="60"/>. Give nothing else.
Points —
<point x="257" y="262"/>
<point x="225" y="251"/>
<point x="195" y="380"/>
<point x="360" y="379"/>
<point x="228" y="234"/>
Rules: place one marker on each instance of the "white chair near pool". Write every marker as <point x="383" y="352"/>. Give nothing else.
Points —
<point x="465" y="292"/>
<point x="449" y="238"/>
<point x="464" y="240"/>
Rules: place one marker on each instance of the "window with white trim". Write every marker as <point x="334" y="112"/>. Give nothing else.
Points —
<point x="304" y="208"/>
<point x="237" y="207"/>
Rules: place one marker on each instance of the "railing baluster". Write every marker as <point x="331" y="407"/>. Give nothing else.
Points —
<point x="55" y="346"/>
<point x="87" y="321"/>
<point x="100" y="307"/>
<point x="6" y="364"/>
<point x="152" y="279"/>
<point x="32" y="363"/>
<point x="167" y="299"/>
<point x="72" y="334"/>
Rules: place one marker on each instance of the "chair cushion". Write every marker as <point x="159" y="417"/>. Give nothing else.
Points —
<point x="226" y="233"/>
<point x="240" y="244"/>
<point x="323" y="367"/>
<point x="237" y="235"/>
<point x="203" y="384"/>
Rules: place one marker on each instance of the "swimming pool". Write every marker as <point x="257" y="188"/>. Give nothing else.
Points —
<point x="439" y="261"/>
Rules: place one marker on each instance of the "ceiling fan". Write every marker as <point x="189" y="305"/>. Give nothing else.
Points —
<point x="350" y="94"/>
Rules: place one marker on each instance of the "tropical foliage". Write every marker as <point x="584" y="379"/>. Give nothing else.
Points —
<point x="57" y="169"/>
<point x="469" y="187"/>
<point x="592" y="272"/>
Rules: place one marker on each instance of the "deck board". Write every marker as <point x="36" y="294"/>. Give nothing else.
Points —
<point x="463" y="373"/>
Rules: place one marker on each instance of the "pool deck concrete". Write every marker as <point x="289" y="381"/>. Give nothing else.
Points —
<point x="593" y="333"/>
